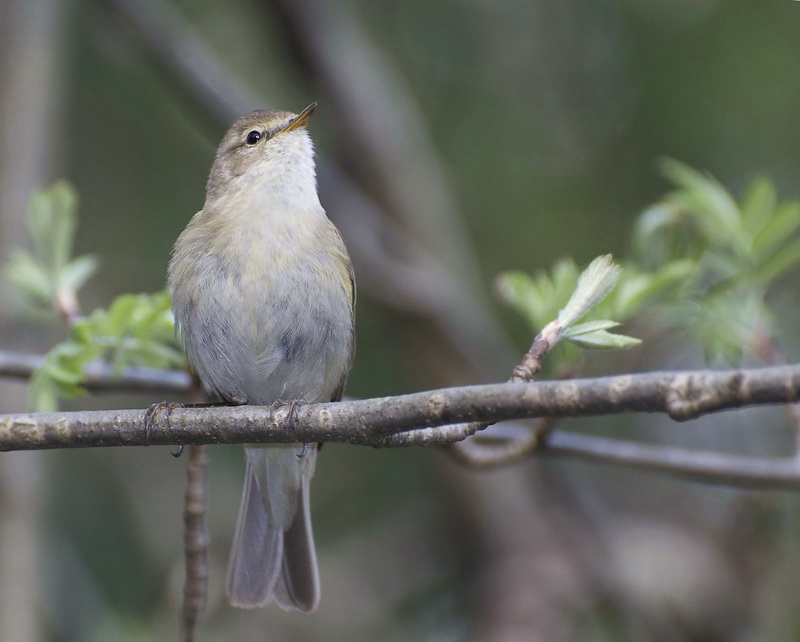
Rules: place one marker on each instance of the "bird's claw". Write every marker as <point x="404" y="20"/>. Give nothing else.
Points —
<point x="150" y="418"/>
<point x="294" y="406"/>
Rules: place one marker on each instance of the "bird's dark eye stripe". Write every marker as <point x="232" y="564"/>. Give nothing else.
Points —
<point x="253" y="137"/>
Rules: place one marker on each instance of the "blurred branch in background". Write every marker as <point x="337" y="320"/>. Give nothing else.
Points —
<point x="100" y="376"/>
<point x="394" y="265"/>
<point x="386" y="146"/>
<point x="30" y="102"/>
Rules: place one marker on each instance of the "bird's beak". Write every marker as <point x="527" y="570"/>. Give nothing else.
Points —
<point x="302" y="118"/>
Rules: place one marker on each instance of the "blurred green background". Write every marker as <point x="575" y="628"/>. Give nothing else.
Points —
<point x="497" y="135"/>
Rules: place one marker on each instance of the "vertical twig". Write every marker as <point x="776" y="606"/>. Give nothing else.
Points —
<point x="196" y="542"/>
<point x="195" y="535"/>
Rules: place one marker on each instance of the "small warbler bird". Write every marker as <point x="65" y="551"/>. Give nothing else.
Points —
<point x="264" y="294"/>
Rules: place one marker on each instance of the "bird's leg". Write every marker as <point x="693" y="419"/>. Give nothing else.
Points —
<point x="152" y="412"/>
<point x="168" y="406"/>
<point x="294" y="406"/>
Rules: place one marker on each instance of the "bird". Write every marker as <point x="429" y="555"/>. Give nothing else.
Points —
<point x="263" y="294"/>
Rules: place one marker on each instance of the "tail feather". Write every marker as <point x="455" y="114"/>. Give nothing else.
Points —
<point x="298" y="583"/>
<point x="273" y="556"/>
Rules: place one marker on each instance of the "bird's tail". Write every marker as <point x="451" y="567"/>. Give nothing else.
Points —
<point x="273" y="556"/>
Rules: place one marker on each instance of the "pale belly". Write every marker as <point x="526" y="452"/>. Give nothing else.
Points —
<point x="285" y="335"/>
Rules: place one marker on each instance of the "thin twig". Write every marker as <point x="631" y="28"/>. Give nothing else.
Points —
<point x="493" y="448"/>
<point x="196" y="540"/>
<point x="65" y="303"/>
<point x="475" y="453"/>
<point x="195" y="535"/>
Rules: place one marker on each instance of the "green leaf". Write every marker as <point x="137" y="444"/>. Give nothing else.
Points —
<point x="52" y="221"/>
<point x="120" y="314"/>
<point x="784" y="260"/>
<point x="758" y="203"/>
<point x="593" y="334"/>
<point x="29" y="276"/>
<point x="565" y="278"/>
<point x="784" y="223"/>
<point x="712" y="205"/>
<point x="594" y="284"/>
<point x="77" y="272"/>
<point x="519" y="290"/>
<point x="48" y="272"/>
<point x="637" y="291"/>
<point x="651" y="227"/>
<point x="601" y="339"/>
<point x="589" y="326"/>
<point x="137" y="330"/>
<point x="157" y="355"/>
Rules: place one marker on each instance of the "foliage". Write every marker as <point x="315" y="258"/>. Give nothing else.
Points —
<point x="706" y="260"/>
<point x="135" y="330"/>
<point x="46" y="274"/>
<point x="586" y="291"/>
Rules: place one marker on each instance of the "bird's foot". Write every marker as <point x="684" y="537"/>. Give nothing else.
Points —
<point x="294" y="406"/>
<point x="152" y="412"/>
<point x="150" y="418"/>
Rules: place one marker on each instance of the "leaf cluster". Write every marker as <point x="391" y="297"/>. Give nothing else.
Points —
<point x="49" y="272"/>
<point x="136" y="330"/>
<point x="740" y="250"/>
<point x="703" y="260"/>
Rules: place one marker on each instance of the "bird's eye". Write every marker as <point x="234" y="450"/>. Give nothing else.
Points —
<point x="253" y="137"/>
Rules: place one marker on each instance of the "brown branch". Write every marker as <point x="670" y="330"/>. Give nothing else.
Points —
<point x="766" y="348"/>
<point x="475" y="453"/>
<point x="469" y="452"/>
<point x="196" y="540"/>
<point x="682" y="395"/>
<point x="195" y="533"/>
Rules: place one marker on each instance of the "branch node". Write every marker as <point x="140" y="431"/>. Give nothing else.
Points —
<point x="691" y="395"/>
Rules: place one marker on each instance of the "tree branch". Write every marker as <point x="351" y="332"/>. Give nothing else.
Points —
<point x="682" y="395"/>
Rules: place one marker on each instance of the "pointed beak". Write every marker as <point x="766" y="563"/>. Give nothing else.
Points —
<point x="302" y="118"/>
